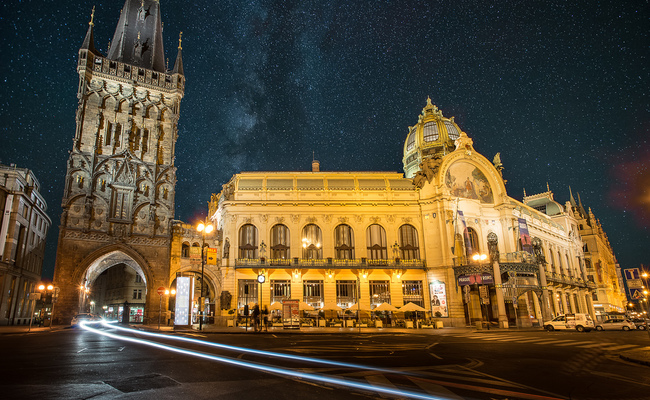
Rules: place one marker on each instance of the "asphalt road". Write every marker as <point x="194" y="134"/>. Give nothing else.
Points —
<point x="77" y="364"/>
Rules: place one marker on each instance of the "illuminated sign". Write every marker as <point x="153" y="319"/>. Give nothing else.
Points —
<point x="183" y="290"/>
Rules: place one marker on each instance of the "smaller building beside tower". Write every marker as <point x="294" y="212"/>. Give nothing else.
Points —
<point x="23" y="229"/>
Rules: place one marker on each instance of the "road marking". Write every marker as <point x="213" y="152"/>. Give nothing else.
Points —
<point x="563" y="342"/>
<point x="84" y="349"/>
<point x="625" y="346"/>
<point x="436" y="390"/>
<point x="589" y="346"/>
<point x="121" y="348"/>
<point x="534" y="340"/>
<point x="574" y="343"/>
<point x="436" y="356"/>
<point x="379" y="380"/>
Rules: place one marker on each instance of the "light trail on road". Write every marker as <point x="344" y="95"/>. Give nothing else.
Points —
<point x="261" y="367"/>
<point x="113" y="325"/>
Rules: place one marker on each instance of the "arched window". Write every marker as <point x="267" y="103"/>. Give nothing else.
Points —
<point x="280" y="242"/>
<point x="471" y="243"/>
<point x="312" y="242"/>
<point x="408" y="242"/>
<point x="185" y="250"/>
<point x="376" y="242"/>
<point x="344" y="242"/>
<point x="248" y="241"/>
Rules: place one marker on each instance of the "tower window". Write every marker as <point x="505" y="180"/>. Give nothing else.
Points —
<point x="452" y="132"/>
<point x="430" y="132"/>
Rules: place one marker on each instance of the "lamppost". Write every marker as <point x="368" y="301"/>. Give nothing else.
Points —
<point x="203" y="229"/>
<point x="48" y="295"/>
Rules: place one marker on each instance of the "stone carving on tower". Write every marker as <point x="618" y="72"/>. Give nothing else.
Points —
<point x="120" y="179"/>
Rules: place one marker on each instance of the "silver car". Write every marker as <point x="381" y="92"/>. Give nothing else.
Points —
<point x="615" y="325"/>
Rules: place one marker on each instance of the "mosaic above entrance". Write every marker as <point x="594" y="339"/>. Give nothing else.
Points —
<point x="465" y="180"/>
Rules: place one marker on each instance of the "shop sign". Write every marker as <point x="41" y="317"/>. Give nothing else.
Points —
<point x="481" y="279"/>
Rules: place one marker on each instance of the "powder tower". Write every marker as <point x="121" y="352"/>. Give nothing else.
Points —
<point x="118" y="201"/>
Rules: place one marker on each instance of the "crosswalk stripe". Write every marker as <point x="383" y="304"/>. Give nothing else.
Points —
<point x="436" y="390"/>
<point x="625" y="346"/>
<point x="589" y="346"/>
<point x="574" y="343"/>
<point x="563" y="342"/>
<point x="531" y="340"/>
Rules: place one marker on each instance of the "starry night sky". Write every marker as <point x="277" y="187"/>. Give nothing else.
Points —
<point x="559" y="88"/>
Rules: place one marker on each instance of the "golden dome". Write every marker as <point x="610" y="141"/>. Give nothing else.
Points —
<point x="433" y="134"/>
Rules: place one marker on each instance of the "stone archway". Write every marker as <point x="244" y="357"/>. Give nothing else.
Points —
<point x="79" y="264"/>
<point x="112" y="284"/>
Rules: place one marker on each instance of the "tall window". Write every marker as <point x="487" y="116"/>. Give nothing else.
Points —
<point x="346" y="293"/>
<point x="376" y="240"/>
<point x="313" y="293"/>
<point x="185" y="250"/>
<point x="408" y="242"/>
<point x="280" y="242"/>
<point x="247" y="292"/>
<point x="430" y="132"/>
<point x="379" y="293"/>
<point x="248" y="241"/>
<point x="471" y="243"/>
<point x="412" y="291"/>
<point x="344" y="242"/>
<point x="122" y="201"/>
<point x="280" y="290"/>
<point x="312" y="241"/>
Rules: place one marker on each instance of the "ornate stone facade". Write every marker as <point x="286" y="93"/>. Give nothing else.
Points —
<point x="119" y="187"/>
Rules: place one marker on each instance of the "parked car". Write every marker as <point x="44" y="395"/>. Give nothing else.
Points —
<point x="84" y="317"/>
<point x="640" y="323"/>
<point x="615" y="325"/>
<point x="579" y="322"/>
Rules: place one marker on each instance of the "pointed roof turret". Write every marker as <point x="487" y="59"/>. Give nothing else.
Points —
<point x="138" y="36"/>
<point x="89" y="40"/>
<point x="178" y="65"/>
<point x="571" y="199"/>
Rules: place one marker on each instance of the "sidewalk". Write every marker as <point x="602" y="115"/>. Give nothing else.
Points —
<point x="639" y="356"/>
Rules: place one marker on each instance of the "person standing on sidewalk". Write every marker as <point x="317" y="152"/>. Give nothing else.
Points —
<point x="256" y="318"/>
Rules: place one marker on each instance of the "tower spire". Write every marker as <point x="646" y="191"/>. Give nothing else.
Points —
<point x="178" y="65"/>
<point x="89" y="40"/>
<point x="138" y="36"/>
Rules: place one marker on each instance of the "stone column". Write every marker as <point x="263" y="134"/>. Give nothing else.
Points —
<point x="573" y="303"/>
<point x="493" y="241"/>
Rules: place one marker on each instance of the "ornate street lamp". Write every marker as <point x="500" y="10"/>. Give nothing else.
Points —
<point x="203" y="229"/>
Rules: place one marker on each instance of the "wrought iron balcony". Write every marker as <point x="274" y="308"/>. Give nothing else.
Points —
<point x="333" y="263"/>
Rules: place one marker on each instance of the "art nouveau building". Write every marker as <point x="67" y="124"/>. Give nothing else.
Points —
<point x="371" y="237"/>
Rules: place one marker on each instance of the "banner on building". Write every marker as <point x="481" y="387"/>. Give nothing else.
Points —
<point x="438" y="299"/>
<point x="195" y="255"/>
<point x="212" y="256"/>
<point x="183" y="300"/>
<point x="468" y="242"/>
<point x="524" y="236"/>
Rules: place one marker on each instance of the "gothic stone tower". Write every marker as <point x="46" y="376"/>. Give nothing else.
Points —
<point x="118" y="201"/>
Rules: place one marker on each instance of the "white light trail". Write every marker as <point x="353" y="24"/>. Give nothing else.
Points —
<point x="262" y="367"/>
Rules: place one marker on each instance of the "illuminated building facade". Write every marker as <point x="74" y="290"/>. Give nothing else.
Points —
<point x="602" y="268"/>
<point x="23" y="229"/>
<point x="358" y="239"/>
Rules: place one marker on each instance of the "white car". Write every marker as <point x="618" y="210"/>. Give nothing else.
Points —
<point x="84" y="317"/>
<point x="615" y="325"/>
<point x="579" y="322"/>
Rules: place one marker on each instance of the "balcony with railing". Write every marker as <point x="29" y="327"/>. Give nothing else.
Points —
<point x="333" y="263"/>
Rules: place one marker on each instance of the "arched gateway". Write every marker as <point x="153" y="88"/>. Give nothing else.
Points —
<point x="118" y="200"/>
